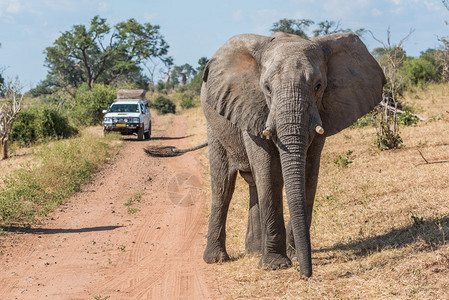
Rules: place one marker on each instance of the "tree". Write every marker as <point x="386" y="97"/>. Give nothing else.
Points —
<point x="300" y="26"/>
<point x="390" y="58"/>
<point x="9" y="111"/>
<point x="185" y="71"/>
<point x="94" y="53"/>
<point x="292" y="26"/>
<point x="443" y="58"/>
<point x="197" y="80"/>
<point x="2" y="80"/>
<point x="446" y="3"/>
<point x="443" y="51"/>
<point x="202" y="62"/>
<point x="421" y="70"/>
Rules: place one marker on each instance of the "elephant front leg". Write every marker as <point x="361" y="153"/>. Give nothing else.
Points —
<point x="267" y="176"/>
<point x="274" y="254"/>
<point x="222" y="184"/>
<point x="253" y="241"/>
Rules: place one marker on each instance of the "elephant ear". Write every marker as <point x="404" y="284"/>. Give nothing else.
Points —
<point x="231" y="83"/>
<point x="354" y="81"/>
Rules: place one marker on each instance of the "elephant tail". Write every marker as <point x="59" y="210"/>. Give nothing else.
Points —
<point x="170" y="151"/>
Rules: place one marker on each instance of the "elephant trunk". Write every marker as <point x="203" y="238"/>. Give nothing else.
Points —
<point x="292" y="126"/>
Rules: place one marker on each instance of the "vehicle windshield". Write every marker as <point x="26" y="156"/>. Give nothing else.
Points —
<point x="124" y="108"/>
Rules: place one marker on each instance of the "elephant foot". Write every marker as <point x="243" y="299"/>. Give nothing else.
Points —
<point x="275" y="261"/>
<point x="215" y="255"/>
<point x="253" y="248"/>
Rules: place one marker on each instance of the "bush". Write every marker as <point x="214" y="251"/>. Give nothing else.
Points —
<point x="387" y="139"/>
<point x="407" y="118"/>
<point x="34" y="124"/>
<point x="187" y="101"/>
<point x="164" y="105"/>
<point x="89" y="104"/>
<point x="419" y="71"/>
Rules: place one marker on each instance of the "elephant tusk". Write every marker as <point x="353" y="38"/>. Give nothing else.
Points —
<point x="319" y="129"/>
<point x="267" y="131"/>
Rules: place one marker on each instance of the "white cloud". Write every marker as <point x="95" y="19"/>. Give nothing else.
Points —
<point x="103" y="7"/>
<point x="10" y="7"/>
<point x="397" y="2"/>
<point x="433" y="6"/>
<point x="377" y="12"/>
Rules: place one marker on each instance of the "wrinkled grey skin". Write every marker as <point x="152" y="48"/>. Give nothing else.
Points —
<point x="286" y="86"/>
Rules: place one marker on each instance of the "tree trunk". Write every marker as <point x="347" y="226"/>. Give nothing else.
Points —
<point x="91" y="83"/>
<point x="4" y="148"/>
<point x="183" y="79"/>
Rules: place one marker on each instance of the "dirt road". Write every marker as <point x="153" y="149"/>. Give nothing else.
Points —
<point x="95" y="246"/>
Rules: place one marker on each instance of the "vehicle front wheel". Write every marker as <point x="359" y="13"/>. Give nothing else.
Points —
<point x="140" y="134"/>
<point x="148" y="133"/>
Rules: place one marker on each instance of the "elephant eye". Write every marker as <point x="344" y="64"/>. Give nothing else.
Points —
<point x="267" y="87"/>
<point x="317" y="87"/>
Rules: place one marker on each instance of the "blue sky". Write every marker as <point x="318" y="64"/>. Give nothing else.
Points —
<point x="198" y="28"/>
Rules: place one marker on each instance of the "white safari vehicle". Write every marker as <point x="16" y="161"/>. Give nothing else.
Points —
<point x="128" y="116"/>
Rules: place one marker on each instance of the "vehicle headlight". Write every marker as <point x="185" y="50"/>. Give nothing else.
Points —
<point x="114" y="120"/>
<point x="107" y="120"/>
<point x="136" y="120"/>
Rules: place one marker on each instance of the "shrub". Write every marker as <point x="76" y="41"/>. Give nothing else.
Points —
<point x="419" y="71"/>
<point x="387" y="139"/>
<point x="164" y="105"/>
<point x="34" y="124"/>
<point x="160" y="87"/>
<point x="89" y="104"/>
<point x="407" y="118"/>
<point x="187" y="101"/>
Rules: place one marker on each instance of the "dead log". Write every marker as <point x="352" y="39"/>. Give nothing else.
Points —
<point x="391" y="108"/>
<point x="170" y="151"/>
<point x="430" y="162"/>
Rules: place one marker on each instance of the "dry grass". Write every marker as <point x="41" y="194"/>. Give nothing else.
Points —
<point x="50" y="174"/>
<point x="380" y="227"/>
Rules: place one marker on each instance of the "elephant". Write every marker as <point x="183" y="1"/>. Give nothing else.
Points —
<point x="270" y="102"/>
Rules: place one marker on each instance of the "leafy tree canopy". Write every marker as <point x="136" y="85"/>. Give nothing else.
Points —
<point x="301" y="26"/>
<point x="185" y="72"/>
<point x="99" y="53"/>
<point x="292" y="26"/>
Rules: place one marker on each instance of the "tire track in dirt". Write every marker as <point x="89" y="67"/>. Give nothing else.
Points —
<point x="93" y="246"/>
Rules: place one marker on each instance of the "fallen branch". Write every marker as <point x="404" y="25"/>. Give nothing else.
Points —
<point x="397" y="110"/>
<point x="170" y="151"/>
<point x="430" y="162"/>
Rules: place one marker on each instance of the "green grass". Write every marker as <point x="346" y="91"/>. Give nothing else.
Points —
<point x="57" y="171"/>
<point x="132" y="200"/>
